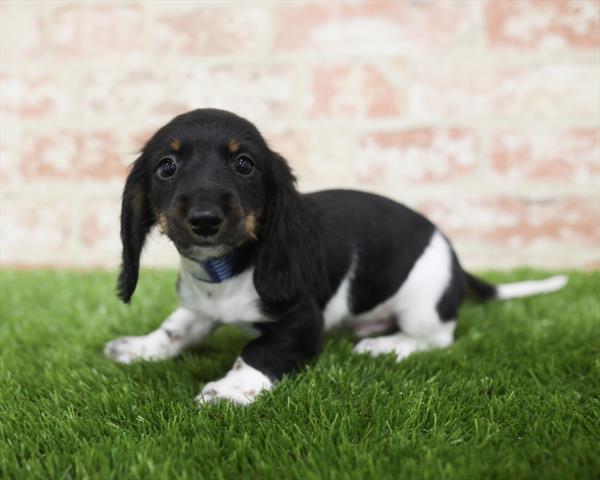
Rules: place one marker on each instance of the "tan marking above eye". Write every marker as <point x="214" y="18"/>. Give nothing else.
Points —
<point x="233" y="146"/>
<point x="176" y="145"/>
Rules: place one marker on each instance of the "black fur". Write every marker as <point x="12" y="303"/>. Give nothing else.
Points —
<point x="289" y="263"/>
<point x="287" y="344"/>
<point x="137" y="219"/>
<point x="479" y="288"/>
<point x="448" y="305"/>
<point x="301" y="246"/>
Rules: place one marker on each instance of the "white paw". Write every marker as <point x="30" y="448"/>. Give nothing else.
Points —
<point x="154" y="346"/>
<point x="241" y="385"/>
<point x="401" y="345"/>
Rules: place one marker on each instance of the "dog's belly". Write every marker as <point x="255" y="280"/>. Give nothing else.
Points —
<point x="231" y="302"/>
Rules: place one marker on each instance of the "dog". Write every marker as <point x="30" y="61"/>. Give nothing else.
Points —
<point x="256" y="252"/>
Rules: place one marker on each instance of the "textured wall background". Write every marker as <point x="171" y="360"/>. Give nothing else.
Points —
<point x="485" y="115"/>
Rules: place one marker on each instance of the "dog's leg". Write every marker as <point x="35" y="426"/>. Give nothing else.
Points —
<point x="241" y="385"/>
<point x="182" y="329"/>
<point x="425" y="307"/>
<point x="402" y="344"/>
<point x="285" y="345"/>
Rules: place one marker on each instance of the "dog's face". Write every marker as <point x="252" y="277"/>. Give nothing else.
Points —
<point x="211" y="182"/>
<point x="204" y="179"/>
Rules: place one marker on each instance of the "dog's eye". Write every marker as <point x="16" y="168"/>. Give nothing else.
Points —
<point x="166" y="168"/>
<point x="243" y="164"/>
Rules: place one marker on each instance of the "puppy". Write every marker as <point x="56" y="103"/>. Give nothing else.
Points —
<point x="254" y="251"/>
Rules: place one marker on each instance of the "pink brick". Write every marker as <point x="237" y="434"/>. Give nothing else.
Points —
<point x="8" y="166"/>
<point x="36" y="226"/>
<point x="86" y="30"/>
<point x="534" y="24"/>
<point x="156" y="96"/>
<point x="10" y="146"/>
<point x="261" y="94"/>
<point x="31" y="96"/>
<point x="292" y="144"/>
<point x="558" y="156"/>
<point x="486" y="89"/>
<point x="21" y="31"/>
<point x="439" y="89"/>
<point x="558" y="89"/>
<point x="321" y="156"/>
<point x="352" y="91"/>
<point x="370" y="27"/>
<point x="138" y="138"/>
<point x="210" y="30"/>
<point x="516" y="221"/>
<point x="109" y="93"/>
<point x="298" y="148"/>
<point x="424" y="155"/>
<point x="100" y="225"/>
<point x="71" y="155"/>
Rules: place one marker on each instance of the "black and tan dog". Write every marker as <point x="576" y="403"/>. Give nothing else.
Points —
<point x="255" y="251"/>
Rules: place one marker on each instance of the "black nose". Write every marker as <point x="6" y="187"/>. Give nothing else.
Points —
<point x="205" y="221"/>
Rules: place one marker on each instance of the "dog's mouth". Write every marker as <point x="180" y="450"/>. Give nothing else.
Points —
<point x="203" y="241"/>
<point x="200" y="252"/>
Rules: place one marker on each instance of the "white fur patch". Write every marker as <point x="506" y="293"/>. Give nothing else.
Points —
<point x="241" y="385"/>
<point x="232" y="301"/>
<point x="532" y="287"/>
<point x="154" y="346"/>
<point x="400" y="344"/>
<point x="414" y="304"/>
<point x="338" y="306"/>
<point x="181" y="329"/>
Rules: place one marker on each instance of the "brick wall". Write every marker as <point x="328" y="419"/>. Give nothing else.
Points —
<point x="482" y="114"/>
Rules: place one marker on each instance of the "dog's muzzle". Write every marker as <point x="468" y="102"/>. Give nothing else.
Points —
<point x="205" y="221"/>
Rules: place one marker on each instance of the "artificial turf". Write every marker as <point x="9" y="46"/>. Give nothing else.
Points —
<point x="517" y="395"/>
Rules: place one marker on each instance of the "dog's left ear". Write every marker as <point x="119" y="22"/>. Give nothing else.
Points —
<point x="289" y="258"/>
<point x="137" y="219"/>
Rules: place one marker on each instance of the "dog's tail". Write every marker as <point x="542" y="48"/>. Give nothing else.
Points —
<point x="487" y="291"/>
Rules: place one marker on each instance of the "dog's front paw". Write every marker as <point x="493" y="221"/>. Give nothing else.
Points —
<point x="241" y="385"/>
<point x="155" y="346"/>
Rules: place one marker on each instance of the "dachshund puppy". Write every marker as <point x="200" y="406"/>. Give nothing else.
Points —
<point x="254" y="251"/>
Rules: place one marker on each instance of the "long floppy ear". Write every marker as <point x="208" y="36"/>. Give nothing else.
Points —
<point x="289" y="258"/>
<point x="137" y="219"/>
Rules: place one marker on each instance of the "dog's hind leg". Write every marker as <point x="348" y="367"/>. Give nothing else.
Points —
<point x="403" y="344"/>
<point x="425" y="306"/>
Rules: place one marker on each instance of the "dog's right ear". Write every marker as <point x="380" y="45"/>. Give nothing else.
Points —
<point x="137" y="219"/>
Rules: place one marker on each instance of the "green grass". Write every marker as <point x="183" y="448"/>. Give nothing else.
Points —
<point x="517" y="395"/>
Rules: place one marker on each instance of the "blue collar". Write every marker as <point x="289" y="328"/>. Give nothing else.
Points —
<point x="215" y="270"/>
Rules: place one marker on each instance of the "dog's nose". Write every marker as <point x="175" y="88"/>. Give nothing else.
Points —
<point x="205" y="221"/>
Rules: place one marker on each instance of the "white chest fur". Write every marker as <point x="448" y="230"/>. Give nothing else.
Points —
<point x="232" y="301"/>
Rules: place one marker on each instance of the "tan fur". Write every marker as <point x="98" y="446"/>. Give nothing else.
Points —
<point x="233" y="146"/>
<point x="163" y="223"/>
<point x="137" y="199"/>
<point x="176" y="145"/>
<point x="250" y="225"/>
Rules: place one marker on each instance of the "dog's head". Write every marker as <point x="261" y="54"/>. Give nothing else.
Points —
<point x="211" y="182"/>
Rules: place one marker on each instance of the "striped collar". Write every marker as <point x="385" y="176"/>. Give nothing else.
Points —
<point x="213" y="270"/>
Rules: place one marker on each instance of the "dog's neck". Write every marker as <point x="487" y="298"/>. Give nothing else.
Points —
<point x="212" y="264"/>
